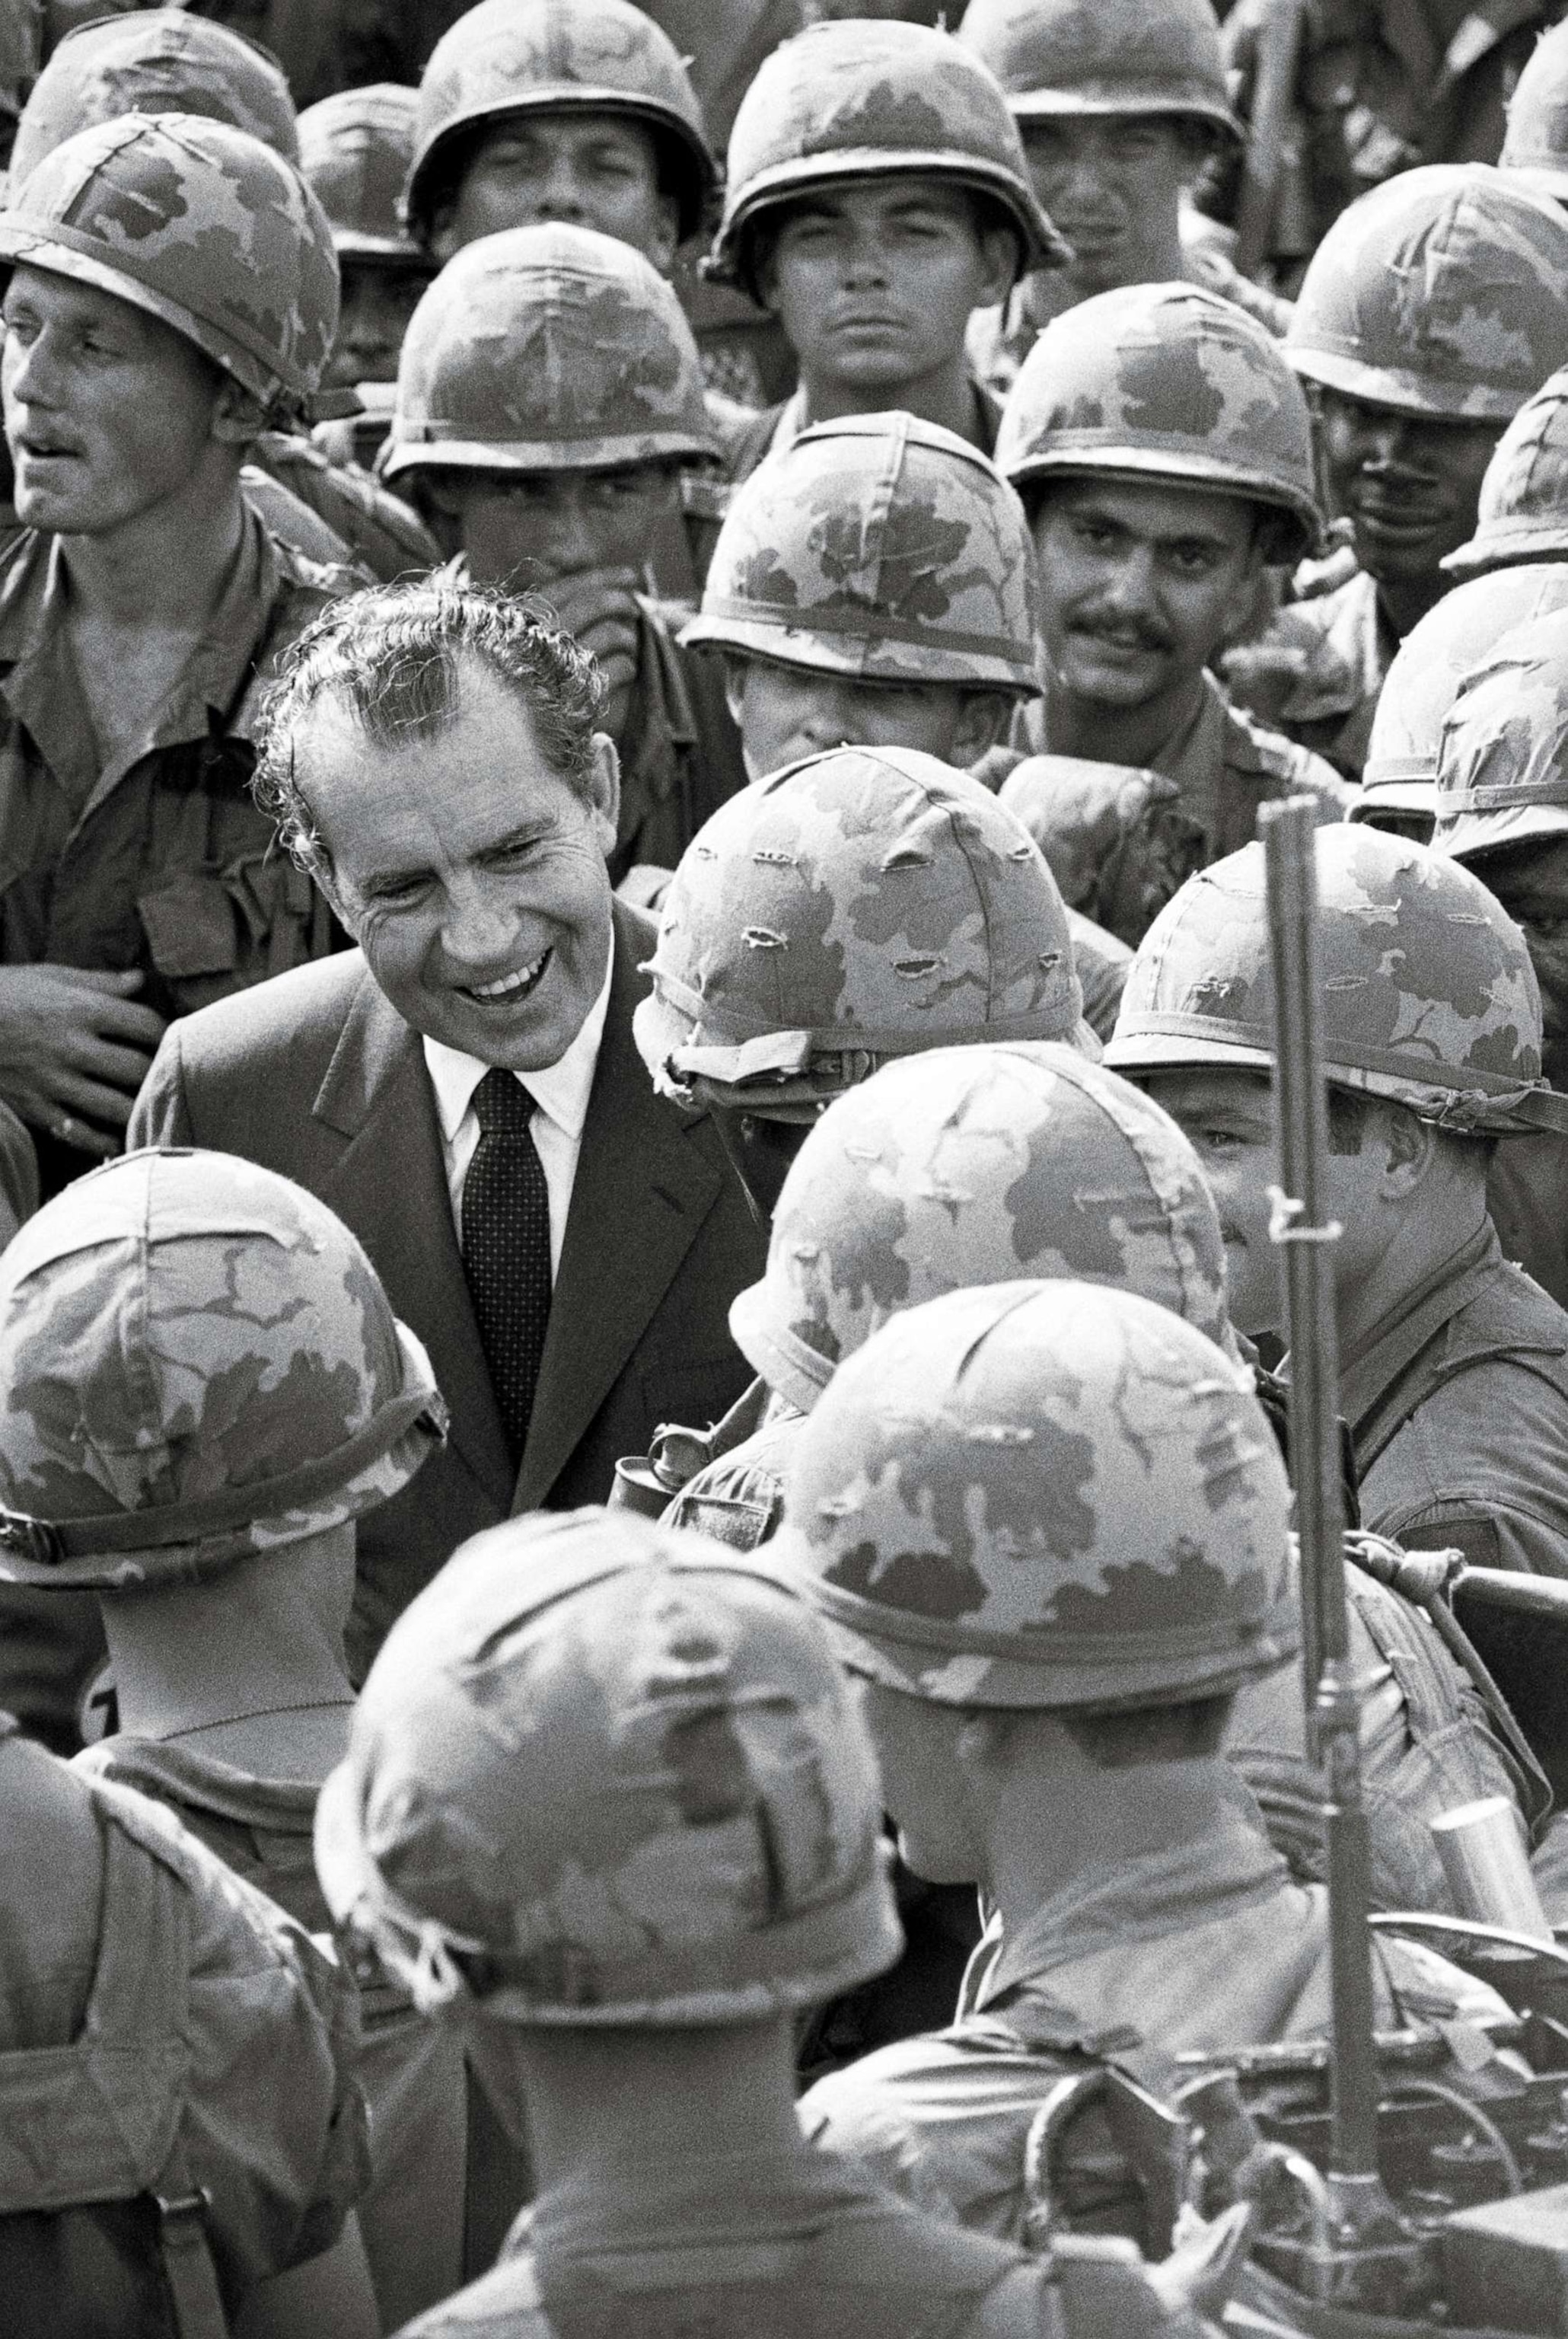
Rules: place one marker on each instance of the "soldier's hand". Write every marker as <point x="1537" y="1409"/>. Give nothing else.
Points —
<point x="598" y="607"/>
<point x="74" y="1047"/>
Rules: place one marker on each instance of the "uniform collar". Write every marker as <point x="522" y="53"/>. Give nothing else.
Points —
<point x="560" y="1089"/>
<point x="1371" y="1371"/>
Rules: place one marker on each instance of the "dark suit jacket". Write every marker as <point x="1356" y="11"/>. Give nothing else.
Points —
<point x="316" y="1075"/>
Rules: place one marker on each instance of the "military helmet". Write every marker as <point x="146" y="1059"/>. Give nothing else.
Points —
<point x="1522" y="513"/>
<point x="1044" y="1495"/>
<point x="1502" y="767"/>
<point x="1535" y="143"/>
<point x="1440" y="293"/>
<point x="1168" y="382"/>
<point x="603" y="1773"/>
<point x="354" y="150"/>
<point x="509" y="57"/>
<point x="862" y="903"/>
<point x="1431" y="663"/>
<point x="1429" y="995"/>
<point x="197" y="1364"/>
<point x="1057" y="57"/>
<point x="201" y="226"/>
<point x="970" y="1165"/>
<point x="881" y="547"/>
<point x="547" y="348"/>
<point x="154" y="61"/>
<point x="857" y="100"/>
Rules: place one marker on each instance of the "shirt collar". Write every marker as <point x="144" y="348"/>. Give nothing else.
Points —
<point x="560" y="1089"/>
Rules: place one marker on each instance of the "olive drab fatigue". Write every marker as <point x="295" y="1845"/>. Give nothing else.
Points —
<point x="683" y="756"/>
<point x="1204" y="1947"/>
<point x="1458" y="1408"/>
<point x="411" y="2212"/>
<point x="161" y="861"/>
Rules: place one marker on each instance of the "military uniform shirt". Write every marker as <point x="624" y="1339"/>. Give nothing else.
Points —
<point x="764" y="2245"/>
<point x="682" y="757"/>
<point x="159" y="860"/>
<point x="1458" y="1407"/>
<point x="1204" y="1947"/>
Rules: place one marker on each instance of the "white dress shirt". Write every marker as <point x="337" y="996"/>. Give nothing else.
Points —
<point x="560" y="1095"/>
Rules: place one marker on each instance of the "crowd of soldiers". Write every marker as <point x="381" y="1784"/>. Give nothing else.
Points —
<point x="918" y="501"/>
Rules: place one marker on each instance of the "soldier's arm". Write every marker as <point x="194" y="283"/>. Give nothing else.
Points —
<point x="1490" y="1534"/>
<point x="161" y="1115"/>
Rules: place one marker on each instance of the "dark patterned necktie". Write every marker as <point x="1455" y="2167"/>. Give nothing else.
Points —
<point x="506" y="1247"/>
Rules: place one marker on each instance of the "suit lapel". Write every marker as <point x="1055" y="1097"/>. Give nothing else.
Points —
<point x="641" y="1194"/>
<point x="390" y="1186"/>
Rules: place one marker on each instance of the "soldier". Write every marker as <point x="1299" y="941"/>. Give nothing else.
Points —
<point x="1521" y="514"/>
<point x="1399" y="784"/>
<point x="355" y="150"/>
<point x="1502" y="812"/>
<point x="1535" y="143"/>
<point x="876" y="195"/>
<point x="1455" y="1365"/>
<point x="144" y="603"/>
<point x="1429" y="314"/>
<point x="945" y="926"/>
<point x="1001" y="1506"/>
<point x="875" y="588"/>
<point x="167" y="61"/>
<point x="1120" y="108"/>
<point x="220" y="1333"/>
<point x="1163" y="452"/>
<point x="548" y="400"/>
<point x="181" y="2135"/>
<point x="974" y="1166"/>
<point x="609" y="1807"/>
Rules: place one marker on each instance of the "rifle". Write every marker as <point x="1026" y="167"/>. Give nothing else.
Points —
<point x="1363" y="2253"/>
<point x="1263" y="165"/>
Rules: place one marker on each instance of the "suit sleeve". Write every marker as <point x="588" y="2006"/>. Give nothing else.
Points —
<point x="160" y="1115"/>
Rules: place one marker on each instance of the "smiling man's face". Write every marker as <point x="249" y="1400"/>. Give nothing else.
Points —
<point x="470" y="873"/>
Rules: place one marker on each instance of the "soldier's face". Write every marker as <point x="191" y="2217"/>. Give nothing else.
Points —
<point x="468" y="872"/>
<point x="874" y="283"/>
<point x="1531" y="881"/>
<point x="1230" y="1118"/>
<point x="1140" y="585"/>
<point x="786" y="711"/>
<point x="529" y="530"/>
<point x="378" y="302"/>
<point x="108" y="412"/>
<point x="1113" y="185"/>
<point x="590" y="169"/>
<point x="1407" y="483"/>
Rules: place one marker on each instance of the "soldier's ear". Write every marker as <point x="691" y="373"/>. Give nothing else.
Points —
<point x="238" y="417"/>
<point x="1002" y="262"/>
<point x="665" y="240"/>
<point x="982" y="720"/>
<point x="1412" y="1150"/>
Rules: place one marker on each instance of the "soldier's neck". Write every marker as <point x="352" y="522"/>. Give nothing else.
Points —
<point x="1065" y="1820"/>
<point x="946" y="396"/>
<point x="596" y="2096"/>
<point x="1403" y="602"/>
<point x="1369" y="1295"/>
<point x="163" y="569"/>
<point x="1076" y="725"/>
<point x="248" y="1666"/>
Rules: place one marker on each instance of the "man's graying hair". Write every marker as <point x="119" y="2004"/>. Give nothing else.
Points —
<point x="392" y="658"/>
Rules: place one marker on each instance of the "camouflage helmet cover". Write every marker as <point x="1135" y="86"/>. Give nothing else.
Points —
<point x="604" y="1774"/>
<point x="354" y="150"/>
<point x="1502" y="770"/>
<point x="1440" y="293"/>
<point x="1429" y="665"/>
<point x="1103" y="56"/>
<point x="154" y="61"/>
<point x="970" y="1166"/>
<point x="1044" y="1495"/>
<point x="1168" y="382"/>
<point x="547" y="348"/>
<point x="1522" y="513"/>
<point x="1429" y="995"/>
<point x="865" y="902"/>
<point x="197" y="1364"/>
<point x="201" y="226"/>
<point x="858" y="100"/>
<point x="881" y="547"/>
<point x="556" y="56"/>
<point x="1535" y="142"/>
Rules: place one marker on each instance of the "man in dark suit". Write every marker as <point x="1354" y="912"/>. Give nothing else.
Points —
<point x="464" y="1090"/>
